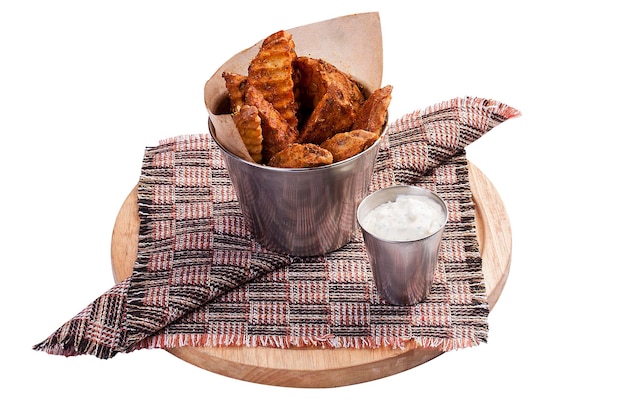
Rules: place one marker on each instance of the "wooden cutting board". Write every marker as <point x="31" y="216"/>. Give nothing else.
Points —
<point x="316" y="367"/>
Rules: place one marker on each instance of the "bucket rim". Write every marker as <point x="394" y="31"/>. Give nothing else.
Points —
<point x="335" y="165"/>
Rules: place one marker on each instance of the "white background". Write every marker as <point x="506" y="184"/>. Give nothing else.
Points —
<point x="85" y="88"/>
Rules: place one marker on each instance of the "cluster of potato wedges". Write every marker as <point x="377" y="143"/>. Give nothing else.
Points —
<point x="300" y="112"/>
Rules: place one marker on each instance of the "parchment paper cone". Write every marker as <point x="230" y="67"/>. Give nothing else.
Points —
<point x="351" y="43"/>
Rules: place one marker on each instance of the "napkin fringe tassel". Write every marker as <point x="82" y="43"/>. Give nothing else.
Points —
<point x="329" y="341"/>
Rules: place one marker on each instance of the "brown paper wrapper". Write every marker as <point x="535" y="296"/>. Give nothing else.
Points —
<point x="351" y="43"/>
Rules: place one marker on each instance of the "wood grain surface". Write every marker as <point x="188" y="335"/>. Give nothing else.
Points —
<point x="316" y="367"/>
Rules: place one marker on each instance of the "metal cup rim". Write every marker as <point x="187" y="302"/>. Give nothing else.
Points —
<point x="413" y="188"/>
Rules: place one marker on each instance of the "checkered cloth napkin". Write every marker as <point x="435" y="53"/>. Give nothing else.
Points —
<point x="200" y="279"/>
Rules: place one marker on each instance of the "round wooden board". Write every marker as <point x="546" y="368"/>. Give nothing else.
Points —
<point x="315" y="367"/>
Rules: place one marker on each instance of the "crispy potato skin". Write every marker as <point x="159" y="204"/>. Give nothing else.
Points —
<point x="347" y="144"/>
<point x="332" y="97"/>
<point x="373" y="113"/>
<point x="271" y="72"/>
<point x="301" y="155"/>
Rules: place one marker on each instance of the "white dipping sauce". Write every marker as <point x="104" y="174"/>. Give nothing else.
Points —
<point x="410" y="217"/>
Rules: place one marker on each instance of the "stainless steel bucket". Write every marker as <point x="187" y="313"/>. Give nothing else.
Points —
<point x="304" y="211"/>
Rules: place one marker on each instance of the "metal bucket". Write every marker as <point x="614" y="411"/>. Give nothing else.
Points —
<point x="303" y="211"/>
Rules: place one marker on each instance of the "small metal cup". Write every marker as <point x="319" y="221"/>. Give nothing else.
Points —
<point x="403" y="270"/>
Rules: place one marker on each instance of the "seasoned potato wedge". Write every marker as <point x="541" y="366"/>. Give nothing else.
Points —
<point x="347" y="144"/>
<point x="277" y="133"/>
<point x="301" y="155"/>
<point x="333" y="98"/>
<point x="373" y="113"/>
<point x="271" y="72"/>
<point x="236" y="86"/>
<point x="248" y="124"/>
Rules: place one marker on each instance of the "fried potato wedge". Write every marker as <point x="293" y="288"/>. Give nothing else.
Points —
<point x="332" y="98"/>
<point x="248" y="124"/>
<point x="236" y="86"/>
<point x="373" y="113"/>
<point x="347" y="144"/>
<point x="277" y="133"/>
<point x="271" y="72"/>
<point x="301" y="155"/>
